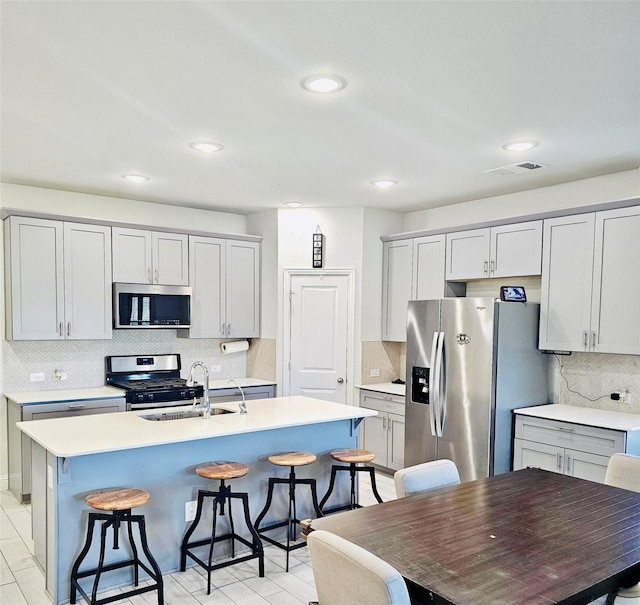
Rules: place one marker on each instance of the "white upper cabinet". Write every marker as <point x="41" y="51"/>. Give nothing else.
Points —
<point x="59" y="280"/>
<point x="504" y="251"/>
<point x="150" y="257"/>
<point x="413" y="269"/>
<point x="225" y="277"/>
<point x="591" y="283"/>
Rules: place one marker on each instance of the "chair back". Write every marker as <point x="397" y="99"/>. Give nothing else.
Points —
<point x="346" y="574"/>
<point x="623" y="471"/>
<point x="425" y="477"/>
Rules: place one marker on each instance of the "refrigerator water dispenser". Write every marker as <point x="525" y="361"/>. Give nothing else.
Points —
<point x="419" y="385"/>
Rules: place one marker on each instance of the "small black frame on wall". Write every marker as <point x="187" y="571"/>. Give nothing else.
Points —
<point x="318" y="249"/>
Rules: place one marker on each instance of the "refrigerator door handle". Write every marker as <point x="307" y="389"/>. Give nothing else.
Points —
<point x="433" y="384"/>
<point x="441" y="409"/>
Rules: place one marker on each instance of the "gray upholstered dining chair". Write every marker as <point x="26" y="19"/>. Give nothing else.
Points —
<point x="346" y="574"/>
<point x="425" y="477"/>
<point x="623" y="471"/>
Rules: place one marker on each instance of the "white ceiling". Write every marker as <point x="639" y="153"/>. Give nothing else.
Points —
<point x="94" y="90"/>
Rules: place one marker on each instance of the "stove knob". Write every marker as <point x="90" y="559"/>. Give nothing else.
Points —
<point x="150" y="396"/>
<point x="140" y="397"/>
<point x="192" y="393"/>
<point x="183" y="394"/>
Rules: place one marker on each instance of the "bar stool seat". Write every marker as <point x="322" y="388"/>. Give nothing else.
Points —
<point x="221" y="471"/>
<point x="119" y="501"/>
<point x="352" y="457"/>
<point x="290" y="459"/>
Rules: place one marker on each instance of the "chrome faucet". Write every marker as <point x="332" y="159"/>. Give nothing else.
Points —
<point x="206" y="405"/>
<point x="243" y="404"/>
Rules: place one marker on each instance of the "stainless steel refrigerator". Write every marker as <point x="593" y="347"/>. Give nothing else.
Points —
<point x="470" y="362"/>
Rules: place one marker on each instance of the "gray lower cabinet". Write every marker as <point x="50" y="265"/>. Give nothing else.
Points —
<point x="384" y="434"/>
<point x="20" y="445"/>
<point x="570" y="449"/>
<point x="233" y="394"/>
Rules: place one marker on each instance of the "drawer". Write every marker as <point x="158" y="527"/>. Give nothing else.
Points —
<point x="383" y="403"/>
<point x="579" y="437"/>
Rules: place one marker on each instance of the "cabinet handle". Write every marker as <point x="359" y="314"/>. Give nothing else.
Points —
<point x="68" y="328"/>
<point x="568" y="467"/>
<point x="486" y="268"/>
<point x="76" y="407"/>
<point x="60" y="329"/>
<point x="585" y="340"/>
<point x="593" y="340"/>
<point x="228" y="329"/>
<point x="156" y="275"/>
<point x="384" y="423"/>
<point x="149" y="275"/>
<point x="493" y="267"/>
<point x="559" y="462"/>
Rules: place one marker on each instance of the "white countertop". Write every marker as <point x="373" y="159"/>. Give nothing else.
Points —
<point x="390" y="388"/>
<point x="28" y="397"/>
<point x="605" y="419"/>
<point x="82" y="435"/>
<point x="243" y="382"/>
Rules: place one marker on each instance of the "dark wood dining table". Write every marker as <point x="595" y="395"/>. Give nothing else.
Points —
<point x="529" y="537"/>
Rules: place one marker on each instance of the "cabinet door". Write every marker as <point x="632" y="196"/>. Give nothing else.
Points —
<point x="516" y="250"/>
<point x="468" y="254"/>
<point x="242" y="283"/>
<point x="395" y="441"/>
<point x="206" y="268"/>
<point x="131" y="256"/>
<point x="374" y="436"/>
<point x="35" y="293"/>
<point x="615" y="315"/>
<point x="537" y="455"/>
<point x="396" y="288"/>
<point x="87" y="281"/>
<point x="428" y="267"/>
<point x="170" y="256"/>
<point x="585" y="465"/>
<point x="567" y="261"/>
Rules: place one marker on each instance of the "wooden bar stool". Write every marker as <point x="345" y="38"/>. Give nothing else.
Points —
<point x="119" y="501"/>
<point x="221" y="471"/>
<point x="352" y="457"/>
<point x="290" y="459"/>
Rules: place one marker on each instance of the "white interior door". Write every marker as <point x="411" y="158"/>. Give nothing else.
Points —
<point x="319" y="328"/>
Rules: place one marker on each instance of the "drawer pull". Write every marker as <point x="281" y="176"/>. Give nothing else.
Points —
<point x="566" y="429"/>
<point x="76" y="407"/>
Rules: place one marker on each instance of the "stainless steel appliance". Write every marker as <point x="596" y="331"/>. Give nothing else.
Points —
<point x="470" y="361"/>
<point x="151" y="381"/>
<point x="151" y="306"/>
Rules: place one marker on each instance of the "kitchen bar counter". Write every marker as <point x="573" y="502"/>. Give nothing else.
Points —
<point x="75" y="456"/>
<point x="82" y="435"/>
<point x="605" y="419"/>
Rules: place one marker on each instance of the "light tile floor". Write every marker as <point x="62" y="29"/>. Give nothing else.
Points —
<point x="22" y="582"/>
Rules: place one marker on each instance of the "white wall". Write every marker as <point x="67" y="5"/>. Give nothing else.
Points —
<point x="598" y="190"/>
<point x="102" y="208"/>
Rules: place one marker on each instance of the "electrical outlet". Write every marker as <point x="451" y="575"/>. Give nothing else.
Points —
<point x="59" y="375"/>
<point x="49" y="476"/>
<point x="625" y="396"/>
<point x="37" y="377"/>
<point x="215" y="369"/>
<point x="190" y="510"/>
<point x="374" y="373"/>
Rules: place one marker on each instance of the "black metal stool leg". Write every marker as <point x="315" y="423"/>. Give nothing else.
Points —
<point x="134" y="550"/>
<point x="192" y="528"/>
<point x="103" y="539"/>
<point x="257" y="542"/>
<point x="151" y="559"/>
<point x="374" y="487"/>
<point x="332" y="482"/>
<point x="83" y="553"/>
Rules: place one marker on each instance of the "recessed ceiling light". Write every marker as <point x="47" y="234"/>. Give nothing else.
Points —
<point x="520" y="145"/>
<point x="384" y="183"/>
<point x="323" y="83"/>
<point x="206" y="147"/>
<point x="294" y="204"/>
<point x="135" y="178"/>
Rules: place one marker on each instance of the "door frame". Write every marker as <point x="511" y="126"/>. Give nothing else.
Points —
<point x="289" y="274"/>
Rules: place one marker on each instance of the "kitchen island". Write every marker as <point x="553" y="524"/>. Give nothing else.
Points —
<point x="75" y="456"/>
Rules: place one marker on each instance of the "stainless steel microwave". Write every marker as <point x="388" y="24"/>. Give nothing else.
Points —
<point x="151" y="306"/>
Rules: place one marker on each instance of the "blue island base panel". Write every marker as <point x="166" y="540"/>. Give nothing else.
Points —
<point x="167" y="472"/>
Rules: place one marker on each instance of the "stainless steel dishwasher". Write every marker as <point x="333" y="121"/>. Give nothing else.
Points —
<point x="20" y="444"/>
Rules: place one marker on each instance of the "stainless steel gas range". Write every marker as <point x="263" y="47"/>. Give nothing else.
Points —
<point x="151" y="381"/>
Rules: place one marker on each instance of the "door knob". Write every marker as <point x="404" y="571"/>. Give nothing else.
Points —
<point x="340" y="380"/>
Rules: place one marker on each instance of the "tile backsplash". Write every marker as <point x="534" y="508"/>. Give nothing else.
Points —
<point x="387" y="357"/>
<point x="83" y="360"/>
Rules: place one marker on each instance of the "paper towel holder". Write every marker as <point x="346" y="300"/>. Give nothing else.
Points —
<point x="234" y="346"/>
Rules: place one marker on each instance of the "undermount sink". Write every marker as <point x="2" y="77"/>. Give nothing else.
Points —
<point x="184" y="414"/>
